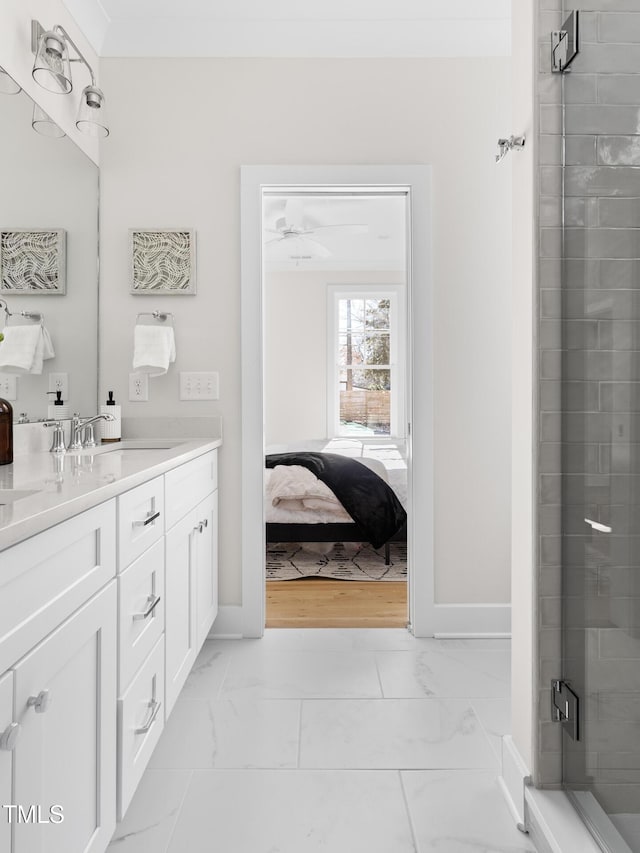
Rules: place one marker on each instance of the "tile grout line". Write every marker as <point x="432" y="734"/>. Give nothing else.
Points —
<point x="180" y="807"/>
<point x="299" y="735"/>
<point x="375" y="661"/>
<point x="412" y="830"/>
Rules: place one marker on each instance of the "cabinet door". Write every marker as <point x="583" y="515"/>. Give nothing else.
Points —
<point x="180" y="607"/>
<point x="6" y="758"/>
<point x="206" y="566"/>
<point x="65" y="698"/>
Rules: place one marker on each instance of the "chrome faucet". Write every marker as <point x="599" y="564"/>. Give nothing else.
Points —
<point x="82" y="431"/>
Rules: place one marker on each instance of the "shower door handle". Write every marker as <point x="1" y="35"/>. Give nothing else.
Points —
<point x="603" y="528"/>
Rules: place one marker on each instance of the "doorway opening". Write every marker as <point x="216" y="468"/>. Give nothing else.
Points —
<point x="412" y="184"/>
<point x="335" y="281"/>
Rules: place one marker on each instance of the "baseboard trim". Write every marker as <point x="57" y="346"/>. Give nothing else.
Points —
<point x="228" y="623"/>
<point x="514" y="780"/>
<point x="471" y="620"/>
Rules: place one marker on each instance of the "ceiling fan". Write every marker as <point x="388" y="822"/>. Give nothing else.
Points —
<point x="295" y="226"/>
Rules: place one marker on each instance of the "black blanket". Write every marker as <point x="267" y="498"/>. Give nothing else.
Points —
<point x="370" y="502"/>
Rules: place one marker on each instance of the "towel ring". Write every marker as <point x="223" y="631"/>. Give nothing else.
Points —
<point x="162" y="316"/>
<point x="37" y="316"/>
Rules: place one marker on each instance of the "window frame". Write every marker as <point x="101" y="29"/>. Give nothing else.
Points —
<point x="396" y="294"/>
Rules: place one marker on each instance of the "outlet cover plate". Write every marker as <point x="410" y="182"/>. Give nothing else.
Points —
<point x="138" y="387"/>
<point x="199" y="385"/>
<point x="9" y="386"/>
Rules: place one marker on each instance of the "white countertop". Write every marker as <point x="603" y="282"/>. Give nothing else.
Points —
<point x="69" y="483"/>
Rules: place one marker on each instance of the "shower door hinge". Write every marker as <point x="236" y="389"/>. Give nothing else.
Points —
<point x="564" y="44"/>
<point x="565" y="707"/>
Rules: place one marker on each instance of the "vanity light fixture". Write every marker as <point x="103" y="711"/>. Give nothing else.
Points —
<point x="8" y="85"/>
<point x="52" y="71"/>
<point x="44" y="124"/>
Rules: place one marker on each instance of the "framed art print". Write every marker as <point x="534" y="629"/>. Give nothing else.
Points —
<point x="162" y="262"/>
<point x="33" y="261"/>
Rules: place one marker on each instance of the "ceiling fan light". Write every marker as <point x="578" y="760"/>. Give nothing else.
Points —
<point x="52" y="69"/>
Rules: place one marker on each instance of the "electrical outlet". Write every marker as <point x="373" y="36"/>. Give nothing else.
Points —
<point x="9" y="386"/>
<point x="199" y="386"/>
<point x="60" y="382"/>
<point x="138" y="387"/>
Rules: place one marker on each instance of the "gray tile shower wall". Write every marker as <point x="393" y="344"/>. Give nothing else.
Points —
<point x="589" y="365"/>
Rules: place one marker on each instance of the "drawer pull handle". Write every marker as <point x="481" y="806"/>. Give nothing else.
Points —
<point x="200" y="526"/>
<point x="154" y="707"/>
<point x="9" y="736"/>
<point x="597" y="525"/>
<point x="148" y="520"/>
<point x="39" y="703"/>
<point x="152" y="603"/>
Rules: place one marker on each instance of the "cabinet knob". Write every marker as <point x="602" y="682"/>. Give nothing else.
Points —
<point x="200" y="526"/>
<point x="39" y="703"/>
<point x="9" y="736"/>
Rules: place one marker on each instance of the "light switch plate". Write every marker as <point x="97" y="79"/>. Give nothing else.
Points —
<point x="138" y="387"/>
<point x="199" y="385"/>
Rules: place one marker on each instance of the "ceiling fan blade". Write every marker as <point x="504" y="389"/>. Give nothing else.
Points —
<point x="318" y="249"/>
<point x="346" y="228"/>
<point x="274" y="240"/>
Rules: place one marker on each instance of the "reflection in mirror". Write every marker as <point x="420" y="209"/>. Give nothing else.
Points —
<point x="49" y="184"/>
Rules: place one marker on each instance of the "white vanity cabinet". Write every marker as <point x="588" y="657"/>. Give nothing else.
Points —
<point x="64" y="757"/>
<point x="58" y="654"/>
<point x="191" y="579"/>
<point x="101" y="618"/>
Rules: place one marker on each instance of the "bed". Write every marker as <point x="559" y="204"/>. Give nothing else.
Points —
<point x="326" y="497"/>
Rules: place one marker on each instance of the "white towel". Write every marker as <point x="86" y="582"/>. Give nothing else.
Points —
<point x="154" y="348"/>
<point x="24" y="348"/>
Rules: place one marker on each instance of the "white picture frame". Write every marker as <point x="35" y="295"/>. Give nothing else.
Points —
<point x="162" y="261"/>
<point x="33" y="261"/>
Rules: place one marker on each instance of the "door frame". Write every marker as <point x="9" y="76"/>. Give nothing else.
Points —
<point x="416" y="180"/>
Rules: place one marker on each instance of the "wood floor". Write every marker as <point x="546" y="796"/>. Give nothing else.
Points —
<point x="326" y="603"/>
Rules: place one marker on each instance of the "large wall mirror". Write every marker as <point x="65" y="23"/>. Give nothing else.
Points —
<point x="49" y="185"/>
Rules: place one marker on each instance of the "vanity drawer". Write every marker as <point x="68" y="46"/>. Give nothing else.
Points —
<point x="45" y="578"/>
<point x="140" y="724"/>
<point x="140" y="520"/>
<point x="141" y="610"/>
<point x="189" y="484"/>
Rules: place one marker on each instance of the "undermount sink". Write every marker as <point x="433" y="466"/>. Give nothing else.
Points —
<point x="129" y="445"/>
<point x="9" y="496"/>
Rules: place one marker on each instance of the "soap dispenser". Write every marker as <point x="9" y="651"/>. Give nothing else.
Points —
<point x="59" y="410"/>
<point x="6" y="432"/>
<point x="111" y="430"/>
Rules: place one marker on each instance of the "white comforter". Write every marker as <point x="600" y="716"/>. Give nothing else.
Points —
<point x="295" y="495"/>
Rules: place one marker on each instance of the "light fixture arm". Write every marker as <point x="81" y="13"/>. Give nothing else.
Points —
<point x="37" y="30"/>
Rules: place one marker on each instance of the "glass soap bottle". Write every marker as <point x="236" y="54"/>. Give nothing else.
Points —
<point x="6" y="432"/>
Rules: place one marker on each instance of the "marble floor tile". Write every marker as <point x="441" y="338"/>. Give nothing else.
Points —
<point x="151" y="817"/>
<point x="392" y="733"/>
<point x="302" y="675"/>
<point x="460" y="811"/>
<point x="340" y="639"/>
<point x="437" y="671"/>
<point x="495" y="719"/>
<point x="293" y="811"/>
<point x="206" y="734"/>
<point x="209" y="670"/>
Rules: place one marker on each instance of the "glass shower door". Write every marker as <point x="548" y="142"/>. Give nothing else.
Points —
<point x="600" y="392"/>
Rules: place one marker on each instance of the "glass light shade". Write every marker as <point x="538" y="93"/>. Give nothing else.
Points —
<point x="44" y="124"/>
<point x="8" y="85"/>
<point x="92" y="116"/>
<point x="51" y="68"/>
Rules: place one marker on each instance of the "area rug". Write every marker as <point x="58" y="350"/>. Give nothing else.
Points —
<point x="347" y="561"/>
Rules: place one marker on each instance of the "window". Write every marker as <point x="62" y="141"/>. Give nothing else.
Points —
<point x="366" y="376"/>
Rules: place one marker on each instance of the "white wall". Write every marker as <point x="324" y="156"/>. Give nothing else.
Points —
<point x="173" y="161"/>
<point x="524" y="456"/>
<point x="16" y="58"/>
<point x="295" y="335"/>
